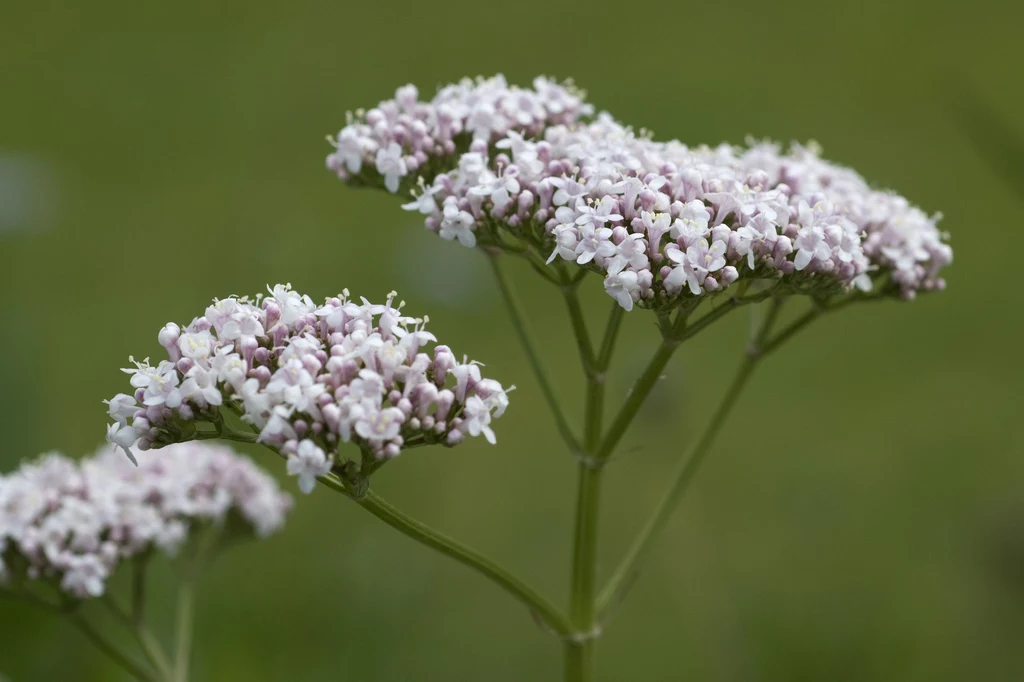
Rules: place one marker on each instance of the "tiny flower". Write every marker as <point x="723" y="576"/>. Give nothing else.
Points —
<point x="308" y="463"/>
<point x="391" y="164"/>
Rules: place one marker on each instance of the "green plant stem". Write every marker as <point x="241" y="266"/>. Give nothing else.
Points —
<point x="183" y="628"/>
<point x="519" y="324"/>
<point x="636" y="397"/>
<point x="111" y="651"/>
<point x="761" y="345"/>
<point x="538" y="605"/>
<point x="579" y="651"/>
<point x="147" y="641"/>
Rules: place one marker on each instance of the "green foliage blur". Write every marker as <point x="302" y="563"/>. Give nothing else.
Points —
<point x="861" y="519"/>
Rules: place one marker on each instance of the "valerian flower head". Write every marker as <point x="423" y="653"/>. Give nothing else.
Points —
<point x="73" y="523"/>
<point x="305" y="379"/>
<point x="403" y="136"/>
<point x="686" y="221"/>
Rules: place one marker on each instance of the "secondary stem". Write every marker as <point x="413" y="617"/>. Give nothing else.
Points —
<point x="623" y="576"/>
<point x="541" y="607"/>
<point x="519" y="324"/>
<point x="110" y="650"/>
<point x="183" y="628"/>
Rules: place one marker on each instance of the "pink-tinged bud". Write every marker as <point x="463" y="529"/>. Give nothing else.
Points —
<point x="394" y="396"/>
<point x="273" y="313"/>
<point x="444" y="361"/>
<point x="783" y="247"/>
<point x="168" y="338"/>
<point x="300" y="427"/>
<point x="455" y="437"/>
<point x="392" y="450"/>
<point x="248" y="347"/>
<point x="200" y="324"/>
<point x="140" y="394"/>
<point x="720" y="233"/>
<point x="405" y="405"/>
<point x="278" y="334"/>
<point x="645" y="279"/>
<point x="711" y="284"/>
<point x="664" y="272"/>
<point x="311" y="364"/>
<point x="478" y="147"/>
<point x="332" y="415"/>
<point x="261" y="374"/>
<point x="619" y="234"/>
<point x="647" y="199"/>
<point x="728" y="275"/>
<point x="427" y="422"/>
<point x="414" y="424"/>
<point x="261" y="356"/>
<point x="185" y="412"/>
<point x="184" y="365"/>
<point x="141" y="425"/>
<point x="525" y="203"/>
<point x="445" y="399"/>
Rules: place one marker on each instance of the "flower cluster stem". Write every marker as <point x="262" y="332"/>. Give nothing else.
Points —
<point x="525" y="339"/>
<point x="542" y="609"/>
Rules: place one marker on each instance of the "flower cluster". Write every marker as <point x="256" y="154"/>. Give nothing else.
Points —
<point x="307" y="378"/>
<point x="75" y="522"/>
<point x="661" y="221"/>
<point x="400" y="137"/>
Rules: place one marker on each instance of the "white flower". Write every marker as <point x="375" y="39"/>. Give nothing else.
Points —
<point x="200" y="386"/>
<point x="378" y="426"/>
<point x="566" y="240"/>
<point x="810" y="244"/>
<point x="623" y="287"/>
<point x="349" y="150"/>
<point x="477" y="418"/>
<point x="121" y="407"/>
<point x="391" y="164"/>
<point x="631" y="251"/>
<point x="123" y="437"/>
<point x="308" y="463"/>
<point x="594" y="241"/>
<point x="458" y="224"/>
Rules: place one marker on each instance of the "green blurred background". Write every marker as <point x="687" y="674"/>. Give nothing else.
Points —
<point x="863" y="517"/>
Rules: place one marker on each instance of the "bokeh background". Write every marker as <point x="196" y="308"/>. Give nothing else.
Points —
<point x="861" y="519"/>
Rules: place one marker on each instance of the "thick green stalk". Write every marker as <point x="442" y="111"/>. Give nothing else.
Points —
<point x="538" y="605"/>
<point x="579" y="651"/>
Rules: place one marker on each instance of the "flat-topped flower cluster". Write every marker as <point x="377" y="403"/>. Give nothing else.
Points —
<point x="661" y="221"/>
<point x="307" y="378"/>
<point x="402" y="136"/>
<point x="73" y="522"/>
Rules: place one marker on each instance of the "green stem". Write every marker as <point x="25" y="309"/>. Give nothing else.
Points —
<point x="611" y="334"/>
<point x="519" y="324"/>
<point x="626" y="572"/>
<point x="183" y="629"/>
<point x="150" y="645"/>
<point x="538" y="605"/>
<point x="111" y="651"/>
<point x="579" y="326"/>
<point x="579" y="651"/>
<point x="636" y="398"/>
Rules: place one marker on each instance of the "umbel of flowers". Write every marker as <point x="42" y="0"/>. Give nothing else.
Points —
<point x="305" y="379"/>
<point x="73" y="523"/>
<point x="661" y="222"/>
